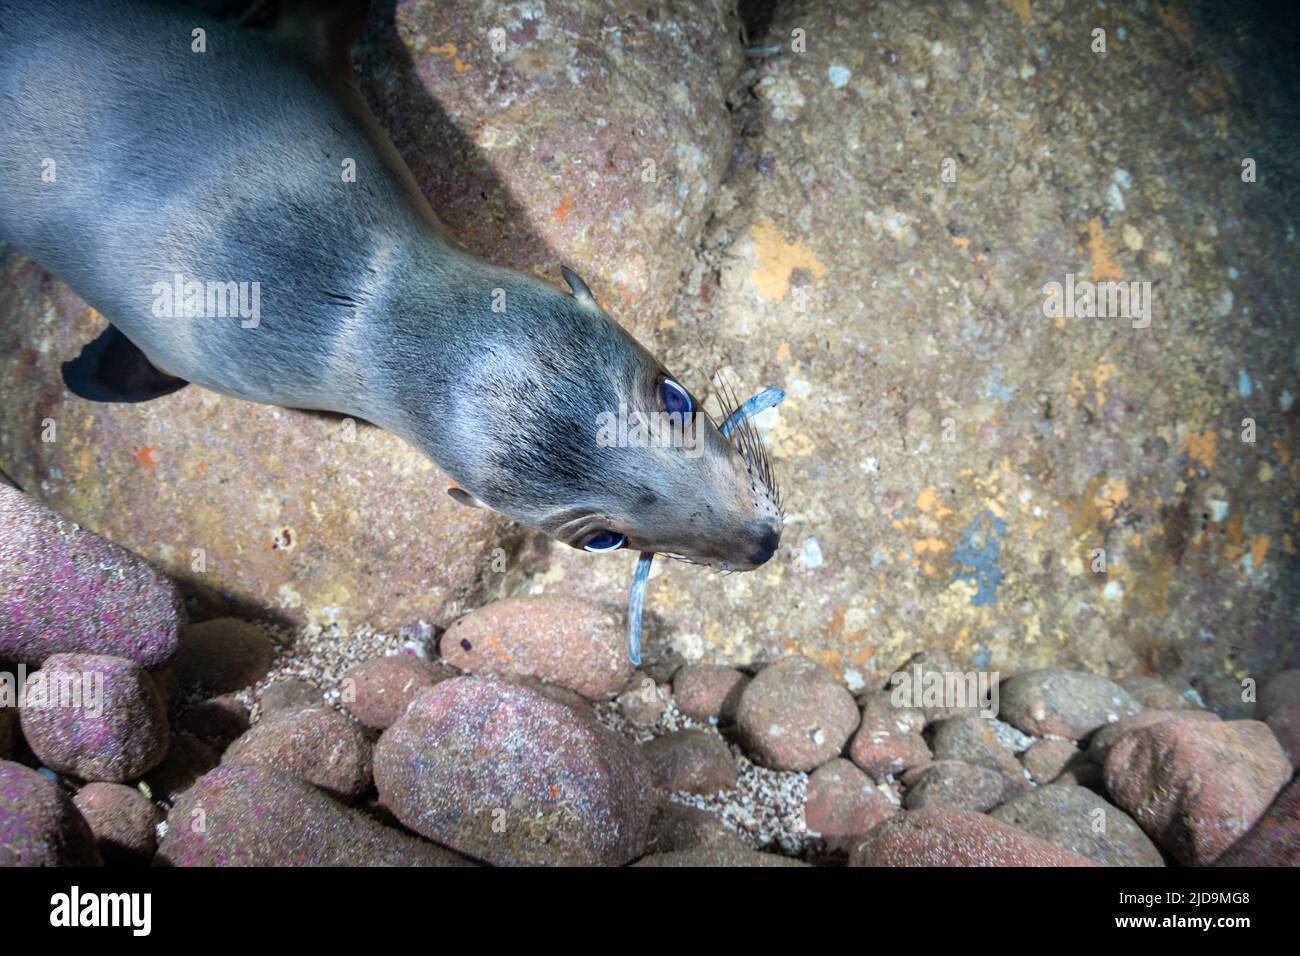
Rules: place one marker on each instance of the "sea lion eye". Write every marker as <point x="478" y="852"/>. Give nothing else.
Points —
<point x="674" y="398"/>
<point x="603" y="541"/>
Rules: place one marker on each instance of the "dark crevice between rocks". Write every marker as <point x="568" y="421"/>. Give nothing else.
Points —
<point x="755" y="20"/>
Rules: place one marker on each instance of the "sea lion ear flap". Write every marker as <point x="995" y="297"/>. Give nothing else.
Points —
<point x="577" y="286"/>
<point x="461" y="496"/>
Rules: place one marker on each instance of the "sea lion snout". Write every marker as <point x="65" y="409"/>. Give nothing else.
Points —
<point x="769" y="540"/>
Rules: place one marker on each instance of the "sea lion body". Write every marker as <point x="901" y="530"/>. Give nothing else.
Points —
<point x="227" y="166"/>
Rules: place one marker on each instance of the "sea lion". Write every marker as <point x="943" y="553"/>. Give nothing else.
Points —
<point x="188" y="177"/>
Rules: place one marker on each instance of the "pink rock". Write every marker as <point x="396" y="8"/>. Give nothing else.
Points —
<point x="708" y="692"/>
<point x="124" y="823"/>
<point x="251" y="816"/>
<point x="64" y="590"/>
<point x="39" y="826"/>
<point x="556" y="638"/>
<point x="98" y="718"/>
<point x="795" y="716"/>
<point x="1275" y="839"/>
<point x="1284" y="721"/>
<point x="378" y="691"/>
<point x="1195" y="786"/>
<point x="946" y="837"/>
<point x="643" y="701"/>
<point x="886" y="744"/>
<point x="505" y="188"/>
<point x="676" y="826"/>
<point x="504" y="774"/>
<point x="319" y="746"/>
<point x="843" y="804"/>
<point x="1100" y="744"/>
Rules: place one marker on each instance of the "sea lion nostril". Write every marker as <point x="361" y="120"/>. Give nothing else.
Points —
<point x="767" y="546"/>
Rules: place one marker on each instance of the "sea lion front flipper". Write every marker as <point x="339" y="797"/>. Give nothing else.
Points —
<point x="112" y="369"/>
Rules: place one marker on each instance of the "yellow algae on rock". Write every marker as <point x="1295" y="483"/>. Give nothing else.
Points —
<point x="777" y="259"/>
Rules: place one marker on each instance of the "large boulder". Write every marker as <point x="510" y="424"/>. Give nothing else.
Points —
<point x="64" y="590"/>
<point x="251" y="816"/>
<point x="507" y="775"/>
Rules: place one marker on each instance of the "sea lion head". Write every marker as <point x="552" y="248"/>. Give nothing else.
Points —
<point x="566" y="423"/>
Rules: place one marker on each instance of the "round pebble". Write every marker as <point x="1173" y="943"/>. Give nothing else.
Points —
<point x="953" y="783"/>
<point x="124" y="823"/>
<point x="94" y="717"/>
<point x="843" y="805"/>
<point x="691" y="761"/>
<point x="1062" y="703"/>
<point x="290" y="694"/>
<point x="39" y="825"/>
<point x="379" y="690"/>
<point x="795" y="716"/>
<point x="709" y="692"/>
<point x="556" y="638"/>
<point x="316" y="745"/>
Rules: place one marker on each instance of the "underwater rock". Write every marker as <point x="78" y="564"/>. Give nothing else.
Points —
<point x="589" y="135"/>
<point x="955" y="784"/>
<point x="1284" y="721"/>
<point x="556" y="638"/>
<point x="889" y="740"/>
<point x="251" y="816"/>
<point x="1156" y="694"/>
<point x="643" y="701"/>
<point x="843" y="805"/>
<point x="95" y="717"/>
<point x="676" y="826"/>
<point x="64" y="590"/>
<point x="506" y="775"/>
<point x="1100" y="743"/>
<point x="1046" y="759"/>
<point x="1196" y="786"/>
<point x="124" y="823"/>
<point x="1062" y="703"/>
<point x="39" y="825"/>
<point x="972" y="739"/>
<point x="1080" y="821"/>
<point x="946" y="837"/>
<point x="378" y="691"/>
<point x="691" y="761"/>
<point x="290" y="694"/>
<point x="319" y="746"/>
<point x="795" y="716"/>
<point x="222" y="655"/>
<point x="8" y="730"/>
<point x="709" y="692"/>
<point x="717" y="856"/>
<point x="1275" y="839"/>
<point x="1280" y="689"/>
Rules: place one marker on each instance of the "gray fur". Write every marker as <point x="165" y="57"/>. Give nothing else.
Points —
<point x="225" y="166"/>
